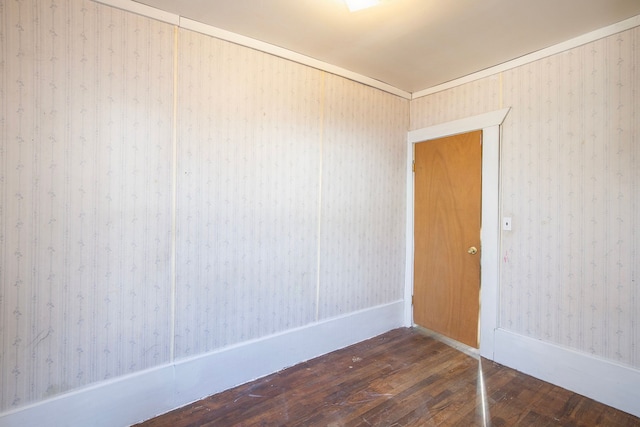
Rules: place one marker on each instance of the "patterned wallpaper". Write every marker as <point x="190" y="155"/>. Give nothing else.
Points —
<point x="572" y="182"/>
<point x="289" y="198"/>
<point x="84" y="196"/>
<point x="282" y="168"/>
<point x="467" y="100"/>
<point x="570" y="176"/>
<point x="285" y="175"/>
<point x="363" y="198"/>
<point x="248" y="189"/>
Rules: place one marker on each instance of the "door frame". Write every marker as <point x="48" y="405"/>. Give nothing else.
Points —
<point x="489" y="123"/>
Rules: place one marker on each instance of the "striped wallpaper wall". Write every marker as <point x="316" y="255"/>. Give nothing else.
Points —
<point x="281" y="197"/>
<point x="85" y="195"/>
<point x="284" y="175"/>
<point x="570" y="168"/>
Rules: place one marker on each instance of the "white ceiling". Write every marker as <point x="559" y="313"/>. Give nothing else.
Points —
<point x="409" y="44"/>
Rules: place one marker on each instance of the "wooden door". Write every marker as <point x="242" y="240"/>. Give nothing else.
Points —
<point x="448" y="174"/>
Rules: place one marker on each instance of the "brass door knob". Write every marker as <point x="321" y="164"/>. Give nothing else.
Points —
<point x="472" y="250"/>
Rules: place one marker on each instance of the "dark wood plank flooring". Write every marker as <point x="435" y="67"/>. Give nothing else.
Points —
<point x="400" y="378"/>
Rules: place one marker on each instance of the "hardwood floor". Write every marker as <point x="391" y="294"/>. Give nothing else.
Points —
<point x="401" y="378"/>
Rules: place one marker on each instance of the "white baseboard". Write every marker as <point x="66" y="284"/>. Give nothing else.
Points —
<point x="601" y="380"/>
<point x="137" y="397"/>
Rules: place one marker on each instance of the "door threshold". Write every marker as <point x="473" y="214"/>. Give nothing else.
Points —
<point x="468" y="350"/>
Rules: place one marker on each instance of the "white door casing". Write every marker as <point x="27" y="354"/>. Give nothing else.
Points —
<point x="489" y="123"/>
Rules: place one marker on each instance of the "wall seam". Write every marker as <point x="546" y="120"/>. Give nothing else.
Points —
<point x="174" y="197"/>
<point x="320" y="165"/>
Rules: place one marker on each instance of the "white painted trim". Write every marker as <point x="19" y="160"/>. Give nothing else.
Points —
<point x="289" y="55"/>
<point x="409" y="238"/>
<point x="151" y="12"/>
<point x="490" y="238"/>
<point x="535" y="56"/>
<point x="143" y="9"/>
<point x="602" y="380"/>
<point x="133" y="398"/>
<point x="229" y="36"/>
<point x="468" y="124"/>
<point x="490" y="229"/>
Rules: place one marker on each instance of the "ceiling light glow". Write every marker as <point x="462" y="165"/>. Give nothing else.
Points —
<point x="355" y="5"/>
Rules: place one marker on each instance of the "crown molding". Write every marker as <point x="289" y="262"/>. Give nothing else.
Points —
<point x="535" y="56"/>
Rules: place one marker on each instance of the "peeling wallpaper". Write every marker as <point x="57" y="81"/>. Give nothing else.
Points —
<point x="570" y="168"/>
<point x="284" y="176"/>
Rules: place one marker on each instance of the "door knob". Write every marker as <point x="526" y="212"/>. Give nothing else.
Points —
<point x="472" y="250"/>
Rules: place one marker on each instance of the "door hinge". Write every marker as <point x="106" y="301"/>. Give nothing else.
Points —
<point x="413" y="167"/>
<point x="413" y="298"/>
